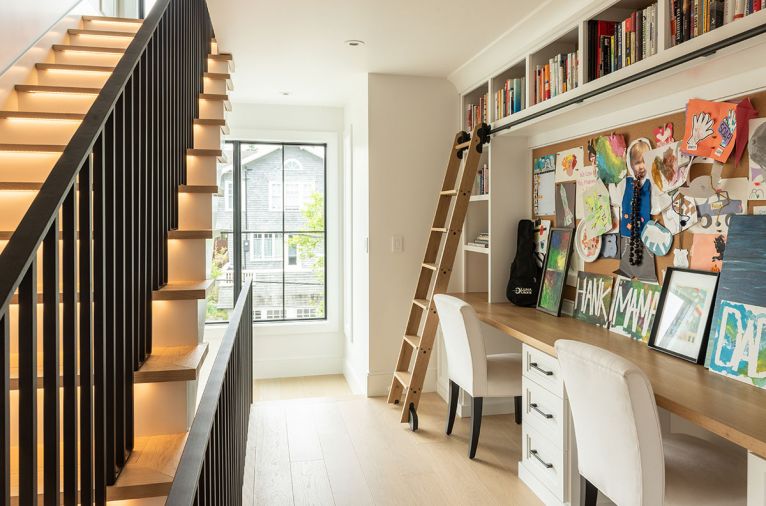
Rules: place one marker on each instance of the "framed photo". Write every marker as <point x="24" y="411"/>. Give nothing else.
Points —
<point x="555" y="270"/>
<point x="682" y="322"/>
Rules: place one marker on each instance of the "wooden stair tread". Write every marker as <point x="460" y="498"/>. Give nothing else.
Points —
<point x="213" y="122"/>
<point x="190" y="234"/>
<point x="221" y="57"/>
<point x="88" y="49"/>
<point x="150" y="469"/>
<point x="199" y="188"/>
<point x="79" y="68"/>
<point x="18" y="186"/>
<point x="36" y="88"/>
<point x="41" y="115"/>
<point x="413" y="341"/>
<point x="172" y="363"/>
<point x="106" y="33"/>
<point x="214" y="96"/>
<point x="183" y="291"/>
<point x="204" y="152"/>
<point x="112" y="19"/>
<point x="46" y="148"/>
<point x="217" y="75"/>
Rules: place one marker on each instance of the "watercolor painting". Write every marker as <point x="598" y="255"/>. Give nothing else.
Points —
<point x="545" y="163"/>
<point x="565" y="205"/>
<point x="555" y="270"/>
<point x="587" y="245"/>
<point x="586" y="177"/>
<point x="568" y="164"/>
<point x="634" y="304"/>
<point x="610" y="158"/>
<point x="711" y="129"/>
<point x="544" y="193"/>
<point x="594" y="298"/>
<point x="707" y="252"/>
<point x="668" y="167"/>
<point x="657" y="238"/>
<point x="757" y="153"/>
<point x="598" y="211"/>
<point x="738" y="342"/>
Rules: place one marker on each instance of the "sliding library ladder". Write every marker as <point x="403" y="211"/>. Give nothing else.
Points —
<point x="435" y="271"/>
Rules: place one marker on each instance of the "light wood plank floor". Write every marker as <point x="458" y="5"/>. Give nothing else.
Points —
<point x="349" y="450"/>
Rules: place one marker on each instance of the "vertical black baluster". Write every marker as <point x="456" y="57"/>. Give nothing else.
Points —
<point x="86" y="336"/>
<point x="120" y="300"/>
<point x="131" y="309"/>
<point x="144" y="207"/>
<point x="51" y="415"/>
<point x="102" y="473"/>
<point x="69" y="346"/>
<point x="5" y="415"/>
<point x="28" y="386"/>
<point x="113" y="309"/>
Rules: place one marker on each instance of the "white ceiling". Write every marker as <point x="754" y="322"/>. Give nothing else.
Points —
<point x="297" y="46"/>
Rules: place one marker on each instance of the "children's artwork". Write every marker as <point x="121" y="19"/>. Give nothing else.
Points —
<point x="542" y="229"/>
<point x="610" y="247"/>
<point x="598" y="212"/>
<point x="702" y="187"/>
<point x="555" y="270"/>
<point x="657" y="238"/>
<point x="565" y="205"/>
<point x="663" y="135"/>
<point x="668" y="167"/>
<point x="737" y="341"/>
<point x="711" y="129"/>
<point x="544" y="193"/>
<point x="660" y="200"/>
<point x="610" y="158"/>
<point x="634" y="304"/>
<point x="745" y="112"/>
<point x="635" y="209"/>
<point x="576" y="264"/>
<point x="545" y="163"/>
<point x="681" y="258"/>
<point x="707" y="252"/>
<point x="588" y="245"/>
<point x="643" y="270"/>
<point x="568" y="164"/>
<point x="759" y="210"/>
<point x="681" y="214"/>
<point x="586" y="177"/>
<point x="594" y="297"/>
<point x="635" y="160"/>
<point x="757" y="153"/>
<point x="715" y="212"/>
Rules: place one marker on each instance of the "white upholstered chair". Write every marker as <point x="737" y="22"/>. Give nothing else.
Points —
<point x="621" y="451"/>
<point x="470" y="368"/>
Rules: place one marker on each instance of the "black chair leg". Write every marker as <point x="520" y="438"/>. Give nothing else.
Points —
<point x="454" y="393"/>
<point x="476" y="405"/>
<point x="517" y="409"/>
<point x="591" y="494"/>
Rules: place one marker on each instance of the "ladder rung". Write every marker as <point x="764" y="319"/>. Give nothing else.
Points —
<point x="462" y="146"/>
<point x="448" y="193"/>
<point x="432" y="267"/>
<point x="421" y="302"/>
<point x="413" y="341"/>
<point x="441" y="230"/>
<point x="403" y="377"/>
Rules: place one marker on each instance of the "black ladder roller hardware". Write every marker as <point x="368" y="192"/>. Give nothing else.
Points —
<point x="443" y="242"/>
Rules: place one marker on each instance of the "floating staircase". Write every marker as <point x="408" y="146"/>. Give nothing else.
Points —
<point x="36" y="124"/>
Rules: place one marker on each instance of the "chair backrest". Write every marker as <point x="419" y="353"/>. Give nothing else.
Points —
<point x="619" y="441"/>
<point x="464" y="342"/>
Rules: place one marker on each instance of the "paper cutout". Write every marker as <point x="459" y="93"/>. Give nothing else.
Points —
<point x="737" y="344"/>
<point x="544" y="193"/>
<point x="565" y="202"/>
<point x="568" y="164"/>
<point x="545" y="163"/>
<point x="707" y="252"/>
<point x="594" y="297"/>
<point x="660" y="201"/>
<point x="645" y="205"/>
<point x="637" y="166"/>
<point x="542" y="229"/>
<point x="702" y="187"/>
<point x="681" y="258"/>
<point x="588" y="245"/>
<point x="586" y="177"/>
<point x="668" y="167"/>
<point x="663" y="135"/>
<point x="598" y="212"/>
<point x="634" y="304"/>
<point x="715" y="212"/>
<point x="745" y="113"/>
<point x="681" y="214"/>
<point x="710" y="129"/>
<point x="610" y="158"/>
<point x="644" y="271"/>
<point x="610" y="246"/>
<point x="757" y="155"/>
<point x="657" y="238"/>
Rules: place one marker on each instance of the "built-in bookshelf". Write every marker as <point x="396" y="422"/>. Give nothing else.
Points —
<point x="509" y="90"/>
<point x="693" y="18"/>
<point x="476" y="108"/>
<point x="554" y="69"/>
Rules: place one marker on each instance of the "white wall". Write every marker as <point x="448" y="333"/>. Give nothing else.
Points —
<point x="305" y="348"/>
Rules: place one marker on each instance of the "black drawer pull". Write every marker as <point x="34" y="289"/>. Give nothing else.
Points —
<point x="534" y="365"/>
<point x="535" y="455"/>
<point x="546" y="415"/>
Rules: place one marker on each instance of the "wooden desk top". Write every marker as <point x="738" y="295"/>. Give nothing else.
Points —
<point x="733" y="410"/>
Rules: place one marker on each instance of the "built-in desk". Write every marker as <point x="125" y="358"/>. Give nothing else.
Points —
<point x="733" y="410"/>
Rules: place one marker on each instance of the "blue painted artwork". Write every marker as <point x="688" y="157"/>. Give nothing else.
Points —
<point x="545" y="163"/>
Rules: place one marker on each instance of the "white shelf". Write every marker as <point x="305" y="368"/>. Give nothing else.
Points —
<point x="475" y="249"/>
<point x="480" y="198"/>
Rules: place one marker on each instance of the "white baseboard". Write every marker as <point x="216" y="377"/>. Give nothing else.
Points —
<point x="297" y="366"/>
<point x="352" y="378"/>
<point x="378" y="383"/>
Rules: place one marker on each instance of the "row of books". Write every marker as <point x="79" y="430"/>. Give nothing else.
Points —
<point x="511" y="97"/>
<point x="558" y="76"/>
<point x="691" y="18"/>
<point x="481" y="241"/>
<point x="476" y="114"/>
<point x="482" y="181"/>
<point x="613" y="45"/>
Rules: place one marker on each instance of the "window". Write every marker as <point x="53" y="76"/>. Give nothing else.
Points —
<point x="292" y="252"/>
<point x="274" y="314"/>
<point x="263" y="246"/>
<point x="294" y="196"/>
<point x="305" y="312"/>
<point x="228" y="196"/>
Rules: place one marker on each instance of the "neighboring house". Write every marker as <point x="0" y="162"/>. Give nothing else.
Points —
<point x="274" y="261"/>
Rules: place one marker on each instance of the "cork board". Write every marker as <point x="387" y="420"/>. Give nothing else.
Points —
<point x="682" y="240"/>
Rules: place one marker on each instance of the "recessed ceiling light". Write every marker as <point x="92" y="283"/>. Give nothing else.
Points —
<point x="355" y="43"/>
<point x="284" y="93"/>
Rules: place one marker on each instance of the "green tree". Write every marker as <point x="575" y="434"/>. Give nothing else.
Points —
<point x="308" y="245"/>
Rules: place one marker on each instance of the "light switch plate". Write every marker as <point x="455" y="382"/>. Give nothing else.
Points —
<point x="397" y="244"/>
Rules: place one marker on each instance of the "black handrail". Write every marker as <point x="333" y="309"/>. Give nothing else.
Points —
<point x="211" y="469"/>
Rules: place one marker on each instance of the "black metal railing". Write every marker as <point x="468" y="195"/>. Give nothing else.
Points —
<point x="112" y="196"/>
<point x="211" y="470"/>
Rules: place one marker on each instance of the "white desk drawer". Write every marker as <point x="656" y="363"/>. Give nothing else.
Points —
<point x="542" y="459"/>
<point x="544" y="411"/>
<point x="543" y="369"/>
